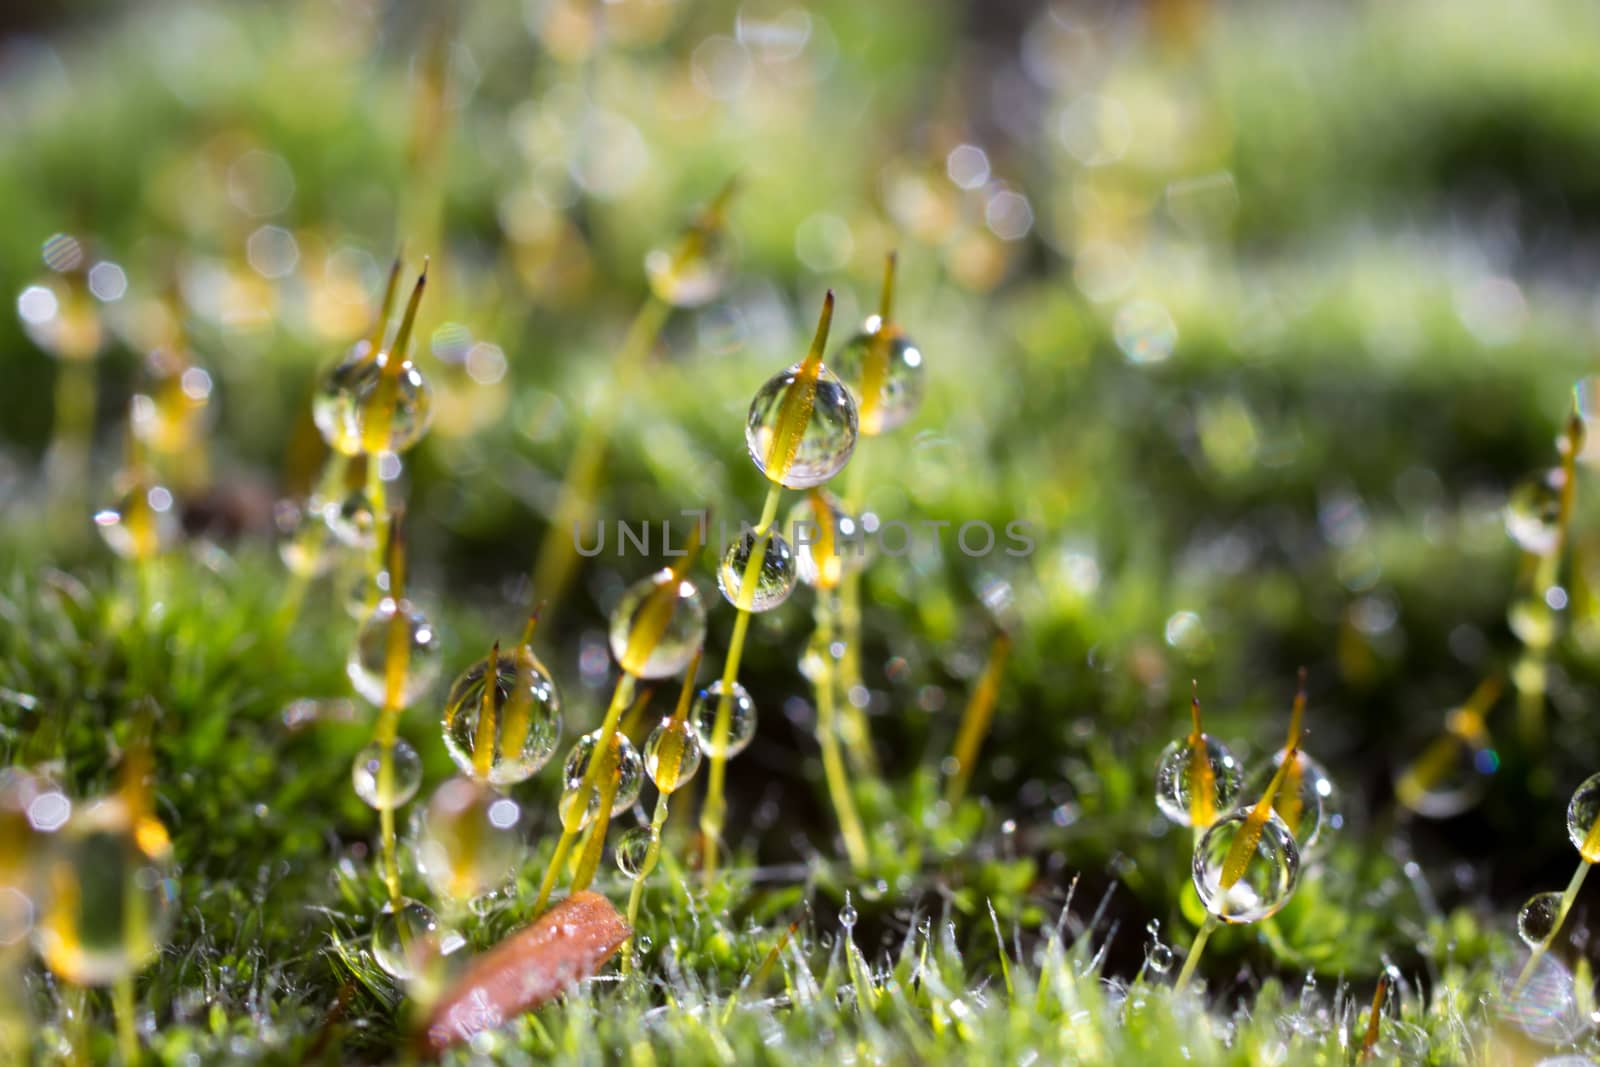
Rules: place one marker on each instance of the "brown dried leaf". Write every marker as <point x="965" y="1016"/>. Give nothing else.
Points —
<point x="565" y="945"/>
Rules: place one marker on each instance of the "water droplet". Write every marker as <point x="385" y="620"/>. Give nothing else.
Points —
<point x="741" y="719"/>
<point x="370" y="663"/>
<point x="1175" y="778"/>
<point x="775" y="577"/>
<point x="1270" y="874"/>
<point x="882" y="368"/>
<point x="1533" y="512"/>
<point x="406" y="775"/>
<point x="406" y="940"/>
<point x="141" y="522"/>
<point x="1536" y="922"/>
<point x="825" y="444"/>
<point x="642" y="643"/>
<point x="624" y="762"/>
<point x="469" y="839"/>
<point x="352" y="522"/>
<point x="1583" y="812"/>
<point x="632" y="849"/>
<point x="526" y="709"/>
<point x="1307" y="802"/>
<point x="671" y="755"/>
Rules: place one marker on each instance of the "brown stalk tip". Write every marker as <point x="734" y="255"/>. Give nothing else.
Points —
<point x="561" y="948"/>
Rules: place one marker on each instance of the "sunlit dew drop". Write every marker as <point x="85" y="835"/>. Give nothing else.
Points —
<point x="1158" y="954"/>
<point x="110" y="894"/>
<point x="394" y="628"/>
<point x="406" y="940"/>
<point x="1536" y="922"/>
<point x="658" y="625"/>
<point x="1583" y="811"/>
<point x="393" y="411"/>
<point x="1533" y="620"/>
<point x="1269" y="877"/>
<point x="525" y="706"/>
<point x="882" y="368"/>
<point x="828" y="541"/>
<point x="1450" y="776"/>
<point x="692" y="273"/>
<point x="632" y="848"/>
<point x="830" y="432"/>
<point x="1307" y="802"/>
<point x="672" y="755"/>
<point x="1533" y="512"/>
<point x="352" y="521"/>
<point x="774" y="579"/>
<point x="334" y="405"/>
<point x="469" y="839"/>
<point x="302" y="544"/>
<point x="1174" y="779"/>
<point x="624" y="763"/>
<point x="141" y="522"/>
<point x="405" y="775"/>
<point x="741" y="719"/>
<point x="170" y="409"/>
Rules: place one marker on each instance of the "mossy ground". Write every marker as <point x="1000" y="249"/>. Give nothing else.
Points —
<point x="1314" y="476"/>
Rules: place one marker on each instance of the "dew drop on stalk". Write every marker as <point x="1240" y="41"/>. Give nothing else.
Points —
<point x="526" y="709"/>
<point x="693" y="273"/>
<point x="1270" y="874"/>
<point x="828" y="542"/>
<point x="882" y="368"/>
<point x="624" y="762"/>
<point x="741" y="719"/>
<point x="352" y="521"/>
<point x="1307" y="802"/>
<point x="1536" y="922"/>
<point x="366" y="776"/>
<point x="1583" y="819"/>
<point x="406" y="940"/>
<point x="109" y="892"/>
<point x="1533" y="512"/>
<point x="469" y="839"/>
<point x="302" y="546"/>
<point x="393" y="409"/>
<point x="825" y="445"/>
<point x="334" y="407"/>
<point x="658" y="625"/>
<point x="1158" y="954"/>
<point x="774" y="579"/>
<point x="394" y="628"/>
<point x="1174" y="779"/>
<point x="1452" y="773"/>
<point x="141" y="522"/>
<point x="672" y="755"/>
<point x="632" y="848"/>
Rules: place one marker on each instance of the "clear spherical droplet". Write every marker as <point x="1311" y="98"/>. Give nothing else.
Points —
<point x="741" y="719"/>
<point x="828" y="541"/>
<point x="393" y="411"/>
<point x="303" y="542"/>
<point x="1536" y="922"/>
<point x="624" y="763"/>
<point x="1158" y="957"/>
<point x="334" y="408"/>
<point x="1270" y="873"/>
<point x="1307" y="801"/>
<point x="469" y="839"/>
<point x="1533" y="512"/>
<point x="1533" y="620"/>
<point x="671" y="755"/>
<point x="406" y="940"/>
<point x="394" y="629"/>
<point x="405" y="776"/>
<point x="632" y="849"/>
<point x="774" y="579"/>
<point x="525" y="725"/>
<point x="1450" y="775"/>
<point x="694" y="271"/>
<point x="821" y="450"/>
<point x="352" y="521"/>
<point x="141" y="522"/>
<point x="1583" y="811"/>
<point x="109" y="893"/>
<point x="882" y="368"/>
<point x="658" y="626"/>
<point x="1175" y="779"/>
<point x="169" y="411"/>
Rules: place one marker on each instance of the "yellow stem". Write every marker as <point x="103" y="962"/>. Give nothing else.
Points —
<point x="975" y="720"/>
<point x="1195" y="949"/>
<point x="711" y="815"/>
<point x="844" y="805"/>
<point x="658" y="820"/>
<point x="552" y="571"/>
<point x="857" y="736"/>
<point x="122" y="1002"/>
<point x="558" y="859"/>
